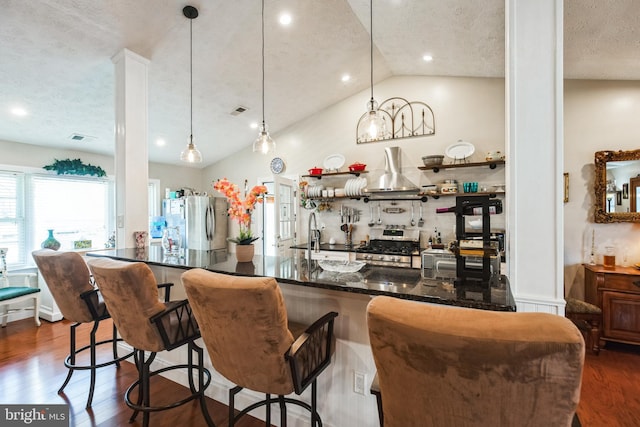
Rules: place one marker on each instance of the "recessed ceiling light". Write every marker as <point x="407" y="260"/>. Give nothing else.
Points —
<point x="161" y="142"/>
<point x="18" y="111"/>
<point x="253" y="125"/>
<point x="285" y="18"/>
<point x="427" y="58"/>
<point x="346" y="77"/>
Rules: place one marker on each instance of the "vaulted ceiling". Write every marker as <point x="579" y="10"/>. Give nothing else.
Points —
<point x="55" y="61"/>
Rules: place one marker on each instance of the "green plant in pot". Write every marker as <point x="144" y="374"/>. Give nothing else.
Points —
<point x="240" y="210"/>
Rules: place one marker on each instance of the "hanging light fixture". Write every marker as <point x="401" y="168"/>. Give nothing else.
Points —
<point x="263" y="144"/>
<point x="191" y="154"/>
<point x="374" y="124"/>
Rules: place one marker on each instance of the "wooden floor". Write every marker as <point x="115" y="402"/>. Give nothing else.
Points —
<point x="31" y="371"/>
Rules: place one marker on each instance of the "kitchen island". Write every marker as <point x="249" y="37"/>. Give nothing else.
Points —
<point x="310" y="292"/>
<point x="370" y="280"/>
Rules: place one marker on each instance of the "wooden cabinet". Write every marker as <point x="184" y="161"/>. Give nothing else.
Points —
<point x="617" y="292"/>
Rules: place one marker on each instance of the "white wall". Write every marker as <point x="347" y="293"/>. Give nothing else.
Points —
<point x="598" y="115"/>
<point x="26" y="155"/>
<point x="471" y="109"/>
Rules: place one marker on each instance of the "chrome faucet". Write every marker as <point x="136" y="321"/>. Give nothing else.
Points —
<point x="315" y="237"/>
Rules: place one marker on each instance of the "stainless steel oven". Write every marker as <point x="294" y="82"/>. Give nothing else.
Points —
<point x="392" y="246"/>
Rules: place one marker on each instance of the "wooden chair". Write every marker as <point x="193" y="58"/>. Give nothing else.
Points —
<point x="130" y="292"/>
<point x="448" y="366"/>
<point x="11" y="293"/>
<point x="244" y="325"/>
<point x="588" y="318"/>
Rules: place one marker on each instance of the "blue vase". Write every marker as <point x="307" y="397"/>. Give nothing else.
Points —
<point x="51" y="242"/>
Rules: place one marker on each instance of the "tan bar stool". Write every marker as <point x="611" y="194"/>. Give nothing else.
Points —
<point x="130" y="293"/>
<point x="244" y="325"/>
<point x="448" y="366"/>
<point x="71" y="286"/>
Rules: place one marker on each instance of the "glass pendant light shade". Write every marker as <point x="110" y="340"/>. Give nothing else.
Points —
<point x="191" y="154"/>
<point x="374" y="124"/>
<point x="264" y="144"/>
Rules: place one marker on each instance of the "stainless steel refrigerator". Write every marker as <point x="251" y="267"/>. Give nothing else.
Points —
<point x="202" y="220"/>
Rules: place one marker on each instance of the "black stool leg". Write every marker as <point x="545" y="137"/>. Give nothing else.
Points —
<point x="202" y="398"/>
<point x="144" y="383"/>
<point x="72" y="355"/>
<point x="314" y="398"/>
<point x="115" y="345"/>
<point x="267" y="420"/>
<point x="138" y="356"/>
<point x="92" y="351"/>
<point x="232" y="393"/>
<point x="283" y="411"/>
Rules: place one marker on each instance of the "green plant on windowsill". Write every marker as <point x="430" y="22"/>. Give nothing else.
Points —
<point x="74" y="167"/>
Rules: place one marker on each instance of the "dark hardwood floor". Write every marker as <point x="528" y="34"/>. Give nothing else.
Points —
<point x="610" y="393"/>
<point x="31" y="371"/>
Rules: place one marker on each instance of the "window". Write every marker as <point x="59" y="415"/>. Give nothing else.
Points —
<point x="12" y="220"/>
<point x="76" y="208"/>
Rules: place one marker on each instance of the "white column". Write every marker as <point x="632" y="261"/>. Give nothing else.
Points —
<point x="534" y="91"/>
<point x="132" y="157"/>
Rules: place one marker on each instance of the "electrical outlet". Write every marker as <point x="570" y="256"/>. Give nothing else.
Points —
<point x="359" y="381"/>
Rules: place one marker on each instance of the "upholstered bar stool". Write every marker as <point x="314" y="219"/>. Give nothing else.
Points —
<point x="130" y="292"/>
<point x="452" y="366"/>
<point x="588" y="318"/>
<point x="71" y="286"/>
<point x="244" y="325"/>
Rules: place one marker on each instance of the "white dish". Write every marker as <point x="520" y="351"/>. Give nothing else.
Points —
<point x="333" y="162"/>
<point x="460" y="150"/>
<point x="476" y="224"/>
<point x="349" y="188"/>
<point x="342" y="266"/>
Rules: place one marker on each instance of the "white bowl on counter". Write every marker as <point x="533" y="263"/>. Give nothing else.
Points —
<point x="342" y="266"/>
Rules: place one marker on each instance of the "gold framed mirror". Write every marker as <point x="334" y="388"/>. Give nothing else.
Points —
<point x="617" y="186"/>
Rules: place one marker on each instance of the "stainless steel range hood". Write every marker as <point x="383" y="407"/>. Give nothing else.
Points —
<point x="392" y="180"/>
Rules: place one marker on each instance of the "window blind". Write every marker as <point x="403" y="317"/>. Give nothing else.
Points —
<point x="12" y="218"/>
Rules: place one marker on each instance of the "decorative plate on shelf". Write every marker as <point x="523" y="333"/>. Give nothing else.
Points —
<point x="333" y="162"/>
<point x="277" y="165"/>
<point x="460" y="150"/>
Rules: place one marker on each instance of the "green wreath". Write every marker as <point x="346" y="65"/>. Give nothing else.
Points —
<point x="74" y="167"/>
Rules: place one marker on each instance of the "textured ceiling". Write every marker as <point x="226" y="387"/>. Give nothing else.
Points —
<point x="56" y="60"/>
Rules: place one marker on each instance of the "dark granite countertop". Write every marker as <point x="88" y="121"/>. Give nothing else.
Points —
<point x="404" y="283"/>
<point x="339" y="247"/>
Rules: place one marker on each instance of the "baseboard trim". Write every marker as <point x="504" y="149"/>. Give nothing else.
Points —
<point x="540" y="305"/>
<point x="49" y="315"/>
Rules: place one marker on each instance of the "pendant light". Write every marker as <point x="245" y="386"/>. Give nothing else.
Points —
<point x="263" y="144"/>
<point x="374" y="124"/>
<point x="191" y="154"/>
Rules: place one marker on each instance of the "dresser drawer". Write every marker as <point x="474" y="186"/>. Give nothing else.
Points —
<point x="622" y="282"/>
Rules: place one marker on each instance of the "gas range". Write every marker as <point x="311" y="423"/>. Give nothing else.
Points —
<point x="390" y="246"/>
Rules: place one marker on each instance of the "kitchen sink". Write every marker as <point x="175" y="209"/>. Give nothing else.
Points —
<point x="399" y="280"/>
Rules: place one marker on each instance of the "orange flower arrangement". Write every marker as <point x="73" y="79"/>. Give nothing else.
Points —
<point x="240" y="210"/>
